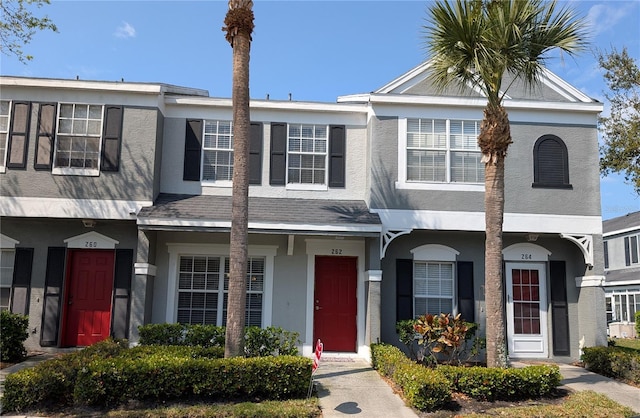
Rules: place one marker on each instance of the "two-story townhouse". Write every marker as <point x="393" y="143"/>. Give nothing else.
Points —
<point x="361" y="213"/>
<point x="427" y="186"/>
<point x="78" y="159"/>
<point x="621" y="236"/>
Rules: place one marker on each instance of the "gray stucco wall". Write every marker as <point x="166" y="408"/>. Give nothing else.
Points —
<point x="471" y="248"/>
<point x="40" y="234"/>
<point x="134" y="180"/>
<point x="520" y="196"/>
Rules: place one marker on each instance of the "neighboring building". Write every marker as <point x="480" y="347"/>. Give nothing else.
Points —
<point x="116" y="212"/>
<point x="621" y="237"/>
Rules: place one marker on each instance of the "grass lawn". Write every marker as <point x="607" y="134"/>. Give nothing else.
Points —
<point x="628" y="342"/>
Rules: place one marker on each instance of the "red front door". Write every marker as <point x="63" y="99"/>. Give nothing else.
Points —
<point x="335" y="306"/>
<point x="88" y="301"/>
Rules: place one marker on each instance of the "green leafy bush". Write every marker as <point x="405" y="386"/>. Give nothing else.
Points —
<point x="424" y="388"/>
<point x="259" y="342"/>
<point x="492" y="384"/>
<point x="13" y="334"/>
<point x="615" y="362"/>
<point x="637" y="324"/>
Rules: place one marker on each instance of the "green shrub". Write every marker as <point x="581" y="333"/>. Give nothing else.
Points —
<point x="52" y="382"/>
<point x="166" y="376"/>
<point x="492" y="384"/>
<point x="615" y="362"/>
<point x="258" y="342"/>
<point x="13" y="334"/>
<point x="637" y="324"/>
<point x="423" y="388"/>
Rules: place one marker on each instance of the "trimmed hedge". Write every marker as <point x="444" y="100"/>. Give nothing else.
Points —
<point x="258" y="342"/>
<point x="492" y="384"/>
<point x="107" y="374"/>
<point x="614" y="362"/>
<point x="425" y="389"/>
<point x="13" y="334"/>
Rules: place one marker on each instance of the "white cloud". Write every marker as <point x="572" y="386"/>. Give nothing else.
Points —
<point x="605" y="16"/>
<point x="125" y="31"/>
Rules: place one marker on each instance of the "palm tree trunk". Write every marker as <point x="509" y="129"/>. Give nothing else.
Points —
<point x="239" y="23"/>
<point x="494" y="139"/>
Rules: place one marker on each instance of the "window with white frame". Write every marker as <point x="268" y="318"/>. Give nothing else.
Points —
<point x="622" y="304"/>
<point x="433" y="287"/>
<point x="217" y="147"/>
<point x="5" y="110"/>
<point x="307" y="154"/>
<point x="443" y="151"/>
<point x="203" y="284"/>
<point x="78" y="139"/>
<point x="631" y="248"/>
<point x="7" y="257"/>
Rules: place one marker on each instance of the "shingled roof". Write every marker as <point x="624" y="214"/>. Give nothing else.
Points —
<point x="176" y="211"/>
<point x="622" y="223"/>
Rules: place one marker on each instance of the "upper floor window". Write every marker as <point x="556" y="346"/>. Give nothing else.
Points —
<point x="78" y="139"/>
<point x="5" y="107"/>
<point x="440" y="153"/>
<point x="631" y="255"/>
<point x="550" y="163"/>
<point x="307" y="154"/>
<point x="217" y="151"/>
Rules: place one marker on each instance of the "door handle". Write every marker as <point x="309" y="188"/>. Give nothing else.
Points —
<point x="318" y="308"/>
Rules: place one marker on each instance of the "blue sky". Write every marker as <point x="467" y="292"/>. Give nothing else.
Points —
<point x="315" y="50"/>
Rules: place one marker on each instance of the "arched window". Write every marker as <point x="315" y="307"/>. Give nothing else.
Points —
<point x="550" y="163"/>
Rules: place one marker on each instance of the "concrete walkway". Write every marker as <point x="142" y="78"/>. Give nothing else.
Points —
<point x="349" y="386"/>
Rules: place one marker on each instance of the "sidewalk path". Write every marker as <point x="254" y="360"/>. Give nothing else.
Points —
<point x="349" y="386"/>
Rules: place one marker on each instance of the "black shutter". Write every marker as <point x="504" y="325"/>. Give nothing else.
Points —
<point x="52" y="296"/>
<point x="278" y="163"/>
<point x="559" y="308"/>
<point x="605" y="246"/>
<point x="255" y="154"/>
<point x="466" y="300"/>
<point x="112" y="138"/>
<point x="404" y="289"/>
<point x="122" y="293"/>
<point x="21" y="288"/>
<point x="192" y="150"/>
<point x="45" y="137"/>
<point x="550" y="163"/>
<point x="627" y="252"/>
<point x="18" y="135"/>
<point x="337" y="151"/>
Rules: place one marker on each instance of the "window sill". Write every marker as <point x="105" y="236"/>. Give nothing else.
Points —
<point x="3" y="170"/>
<point x="88" y="172"/>
<point x="302" y="186"/>
<point x="551" y="186"/>
<point x="462" y="187"/>
<point x="222" y="184"/>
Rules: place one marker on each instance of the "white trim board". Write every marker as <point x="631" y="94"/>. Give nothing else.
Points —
<point x="36" y="207"/>
<point x="396" y="219"/>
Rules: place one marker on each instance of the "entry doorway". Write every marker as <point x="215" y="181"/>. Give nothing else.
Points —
<point x="335" y="303"/>
<point x="527" y="310"/>
<point x="88" y="295"/>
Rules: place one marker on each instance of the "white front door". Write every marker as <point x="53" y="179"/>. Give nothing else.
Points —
<point x="527" y="310"/>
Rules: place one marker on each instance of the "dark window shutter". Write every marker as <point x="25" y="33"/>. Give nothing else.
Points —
<point x="52" y="296"/>
<point x="605" y="246"/>
<point x="559" y="308"/>
<point x="278" y="163"/>
<point x="404" y="289"/>
<point x="192" y="150"/>
<point x="112" y="138"/>
<point x="550" y="163"/>
<point x="122" y="293"/>
<point x="255" y="154"/>
<point x="18" y="135"/>
<point x="21" y="288"/>
<point x="45" y="137"/>
<point x="627" y="252"/>
<point x="634" y="249"/>
<point x="466" y="300"/>
<point x="337" y="152"/>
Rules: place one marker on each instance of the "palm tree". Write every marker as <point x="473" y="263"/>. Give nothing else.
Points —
<point x="477" y="43"/>
<point x="239" y="26"/>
